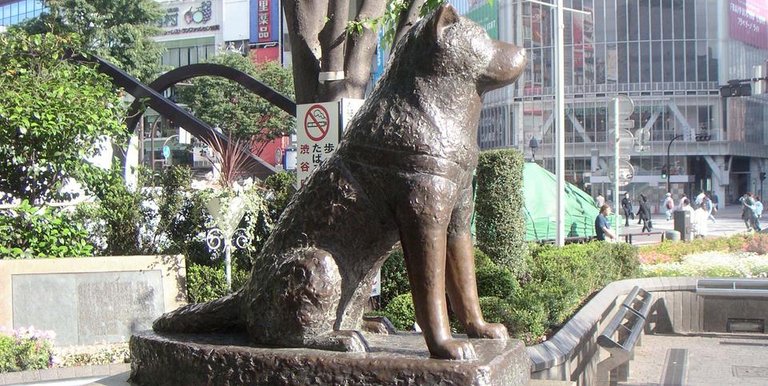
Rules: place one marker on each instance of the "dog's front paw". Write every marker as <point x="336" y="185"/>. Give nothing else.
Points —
<point x="488" y="331"/>
<point x="455" y="349"/>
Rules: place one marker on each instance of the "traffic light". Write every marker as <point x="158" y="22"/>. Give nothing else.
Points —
<point x="762" y="176"/>
<point x="735" y="89"/>
<point x="664" y="173"/>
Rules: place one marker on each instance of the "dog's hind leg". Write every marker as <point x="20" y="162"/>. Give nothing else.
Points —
<point x="299" y="309"/>
<point x="218" y="315"/>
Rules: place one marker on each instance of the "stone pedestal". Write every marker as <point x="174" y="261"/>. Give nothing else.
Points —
<point x="400" y="359"/>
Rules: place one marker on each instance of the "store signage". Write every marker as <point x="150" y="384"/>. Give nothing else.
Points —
<point x="183" y="18"/>
<point x="265" y="19"/>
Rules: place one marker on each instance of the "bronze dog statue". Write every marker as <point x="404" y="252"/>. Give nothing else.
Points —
<point x="403" y="171"/>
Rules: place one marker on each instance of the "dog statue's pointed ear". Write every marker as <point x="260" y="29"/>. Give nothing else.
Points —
<point x="444" y="17"/>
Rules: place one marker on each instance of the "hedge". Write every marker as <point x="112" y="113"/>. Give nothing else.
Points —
<point x="557" y="283"/>
<point x="499" y="219"/>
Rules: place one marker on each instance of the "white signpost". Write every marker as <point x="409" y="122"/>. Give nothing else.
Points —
<point x="317" y="137"/>
<point x="318" y="133"/>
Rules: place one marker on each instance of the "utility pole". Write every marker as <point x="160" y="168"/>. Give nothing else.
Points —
<point x="559" y="81"/>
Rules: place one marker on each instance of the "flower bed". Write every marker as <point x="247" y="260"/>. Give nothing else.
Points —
<point x="743" y="255"/>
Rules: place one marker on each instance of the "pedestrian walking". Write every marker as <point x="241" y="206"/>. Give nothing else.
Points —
<point x="699" y="199"/>
<point x="599" y="200"/>
<point x="669" y="205"/>
<point x="699" y="222"/>
<point x="685" y="206"/>
<point x="757" y="213"/>
<point x="747" y="210"/>
<point x="709" y="206"/>
<point x="644" y="214"/>
<point x="626" y="204"/>
<point x="602" y="226"/>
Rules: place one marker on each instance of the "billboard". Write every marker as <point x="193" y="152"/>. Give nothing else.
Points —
<point x="748" y="22"/>
<point x="265" y="21"/>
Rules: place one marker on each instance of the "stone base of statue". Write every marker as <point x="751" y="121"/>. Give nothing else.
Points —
<point x="399" y="359"/>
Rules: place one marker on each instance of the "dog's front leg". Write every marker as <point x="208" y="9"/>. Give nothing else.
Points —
<point x="461" y="284"/>
<point x="461" y="281"/>
<point x="423" y="218"/>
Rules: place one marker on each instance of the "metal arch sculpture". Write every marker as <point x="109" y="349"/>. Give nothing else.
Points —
<point x="191" y="71"/>
<point x="166" y="107"/>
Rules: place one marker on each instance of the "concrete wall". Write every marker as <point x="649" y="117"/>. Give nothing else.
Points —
<point x="90" y="300"/>
<point x="573" y="354"/>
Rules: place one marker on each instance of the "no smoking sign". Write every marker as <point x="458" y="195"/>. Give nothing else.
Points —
<point x="317" y="134"/>
<point x="317" y="122"/>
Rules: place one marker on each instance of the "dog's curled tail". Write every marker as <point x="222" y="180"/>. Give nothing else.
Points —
<point x="222" y="314"/>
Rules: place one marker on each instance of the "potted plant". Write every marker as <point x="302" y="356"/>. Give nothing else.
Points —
<point x="227" y="201"/>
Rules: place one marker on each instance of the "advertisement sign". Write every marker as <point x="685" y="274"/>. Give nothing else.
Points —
<point x="748" y="22"/>
<point x="486" y="13"/>
<point x="265" y="21"/>
<point x="265" y="54"/>
<point x="190" y="17"/>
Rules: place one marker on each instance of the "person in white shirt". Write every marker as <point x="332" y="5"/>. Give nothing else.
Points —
<point x="669" y="205"/>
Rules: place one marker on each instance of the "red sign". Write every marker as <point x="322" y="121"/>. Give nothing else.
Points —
<point x="316" y="122"/>
<point x="748" y="22"/>
<point x="265" y="54"/>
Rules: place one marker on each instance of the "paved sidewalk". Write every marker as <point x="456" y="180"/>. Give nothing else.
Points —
<point x="727" y="222"/>
<point x="707" y="359"/>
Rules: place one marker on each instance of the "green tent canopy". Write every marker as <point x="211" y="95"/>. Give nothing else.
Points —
<point x="540" y="209"/>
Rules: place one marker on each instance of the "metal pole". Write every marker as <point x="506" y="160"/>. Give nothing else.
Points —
<point x="616" y="138"/>
<point x="228" y="265"/>
<point x="560" y="120"/>
<point x="669" y="168"/>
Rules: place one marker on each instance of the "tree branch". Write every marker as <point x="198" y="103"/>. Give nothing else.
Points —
<point x="332" y="37"/>
<point x="360" y="50"/>
<point x="408" y="16"/>
<point x="305" y="20"/>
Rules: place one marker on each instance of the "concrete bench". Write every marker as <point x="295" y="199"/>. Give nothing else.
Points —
<point x="628" y="236"/>
<point x="621" y="335"/>
<point x="732" y="287"/>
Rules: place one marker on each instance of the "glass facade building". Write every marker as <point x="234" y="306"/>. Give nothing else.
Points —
<point x="14" y="12"/>
<point x="671" y="57"/>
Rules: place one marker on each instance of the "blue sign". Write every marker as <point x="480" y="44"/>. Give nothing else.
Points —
<point x="166" y="151"/>
<point x="265" y="21"/>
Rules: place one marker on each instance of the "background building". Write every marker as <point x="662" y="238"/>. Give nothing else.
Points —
<point x="671" y="57"/>
<point x="14" y="12"/>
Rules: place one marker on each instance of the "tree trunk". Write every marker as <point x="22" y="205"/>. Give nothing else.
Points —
<point x="330" y="63"/>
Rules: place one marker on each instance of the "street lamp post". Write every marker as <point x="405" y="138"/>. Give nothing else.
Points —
<point x="667" y="165"/>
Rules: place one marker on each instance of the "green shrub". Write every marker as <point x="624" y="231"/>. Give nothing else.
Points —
<point x="498" y="209"/>
<point x="39" y="232"/>
<point x="27" y="349"/>
<point x="400" y="312"/>
<point x="394" y="277"/>
<point x="482" y="259"/>
<point x="496" y="281"/>
<point x="561" y="278"/>
<point x="206" y="283"/>
<point x="529" y="320"/>
<point x="282" y="188"/>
